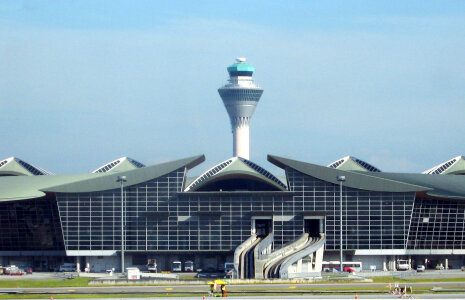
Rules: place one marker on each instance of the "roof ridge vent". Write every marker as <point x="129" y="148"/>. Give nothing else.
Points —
<point x="445" y="167"/>
<point x="360" y="164"/>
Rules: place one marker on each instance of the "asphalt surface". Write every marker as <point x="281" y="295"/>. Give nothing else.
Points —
<point x="365" y="297"/>
<point x="199" y="288"/>
<point x="198" y="291"/>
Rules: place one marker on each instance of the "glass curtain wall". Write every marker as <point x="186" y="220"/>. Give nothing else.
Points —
<point x="92" y="221"/>
<point x="30" y="225"/>
<point x="223" y="220"/>
<point x="371" y="220"/>
<point x="437" y="224"/>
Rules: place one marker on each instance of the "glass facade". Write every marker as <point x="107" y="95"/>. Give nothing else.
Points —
<point x="437" y="224"/>
<point x="159" y="216"/>
<point x="223" y="220"/>
<point x="371" y="220"/>
<point x="30" y="225"/>
<point x="92" y="221"/>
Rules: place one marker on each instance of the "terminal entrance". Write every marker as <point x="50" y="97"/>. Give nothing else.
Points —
<point x="263" y="227"/>
<point x="314" y="227"/>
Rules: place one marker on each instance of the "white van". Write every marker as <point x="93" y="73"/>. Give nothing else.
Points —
<point x="403" y="265"/>
<point x="67" y="267"/>
<point x="189" y="266"/>
<point x="176" y="266"/>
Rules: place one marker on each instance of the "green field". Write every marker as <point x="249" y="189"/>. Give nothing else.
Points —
<point x="75" y="282"/>
<point x="393" y="279"/>
<point x="87" y="296"/>
<point x="83" y="281"/>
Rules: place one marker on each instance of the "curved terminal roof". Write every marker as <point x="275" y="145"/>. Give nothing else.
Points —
<point x="119" y="165"/>
<point x="14" y="166"/>
<point x="450" y="187"/>
<point x="454" y="166"/>
<point x="350" y="163"/>
<point x="235" y="167"/>
<point x="28" y="187"/>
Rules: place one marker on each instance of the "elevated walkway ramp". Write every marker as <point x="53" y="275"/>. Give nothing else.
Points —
<point x="268" y="263"/>
<point x="240" y="256"/>
<point x="274" y="271"/>
<point x="302" y="258"/>
<point x="306" y="262"/>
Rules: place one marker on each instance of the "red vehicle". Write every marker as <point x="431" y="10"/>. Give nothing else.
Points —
<point x="13" y="270"/>
<point x="347" y="266"/>
<point x="349" y="269"/>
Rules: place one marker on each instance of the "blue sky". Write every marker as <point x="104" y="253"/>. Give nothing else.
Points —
<point x="85" y="82"/>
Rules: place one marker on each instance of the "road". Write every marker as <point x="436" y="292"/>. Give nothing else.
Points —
<point x="286" y="288"/>
<point x="365" y="297"/>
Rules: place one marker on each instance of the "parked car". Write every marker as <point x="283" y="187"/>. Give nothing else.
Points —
<point x="421" y="268"/>
<point x="67" y="267"/>
<point x="349" y="269"/>
<point x="26" y="269"/>
<point x="209" y="275"/>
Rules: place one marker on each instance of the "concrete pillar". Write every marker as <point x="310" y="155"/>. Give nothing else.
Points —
<point x="392" y="265"/>
<point x="319" y="260"/>
<point x="446" y="264"/>
<point x="78" y="265"/>
<point x="197" y="262"/>
<point x="299" y="266"/>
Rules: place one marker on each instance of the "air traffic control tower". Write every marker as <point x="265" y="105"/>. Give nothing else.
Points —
<point x="240" y="97"/>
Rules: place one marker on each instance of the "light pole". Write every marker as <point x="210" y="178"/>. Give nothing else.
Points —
<point x="122" y="179"/>
<point x="341" y="179"/>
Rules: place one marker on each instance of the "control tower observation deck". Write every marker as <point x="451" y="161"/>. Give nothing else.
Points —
<point x="240" y="97"/>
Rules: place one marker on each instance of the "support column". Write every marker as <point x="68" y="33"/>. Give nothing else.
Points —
<point x="78" y="264"/>
<point x="241" y="141"/>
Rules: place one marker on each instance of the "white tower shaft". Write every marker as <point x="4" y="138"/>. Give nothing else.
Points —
<point x="241" y="141"/>
<point x="240" y="97"/>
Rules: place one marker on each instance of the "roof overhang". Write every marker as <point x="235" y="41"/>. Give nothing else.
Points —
<point x="358" y="180"/>
<point x="28" y="187"/>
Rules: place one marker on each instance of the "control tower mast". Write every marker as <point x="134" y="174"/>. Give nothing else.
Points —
<point x="240" y="97"/>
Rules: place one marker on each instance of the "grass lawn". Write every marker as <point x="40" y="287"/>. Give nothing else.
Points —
<point x="393" y="279"/>
<point x="83" y="281"/>
<point x="75" y="282"/>
<point x="89" y="296"/>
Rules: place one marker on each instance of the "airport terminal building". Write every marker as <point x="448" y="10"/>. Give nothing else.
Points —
<point x="236" y="211"/>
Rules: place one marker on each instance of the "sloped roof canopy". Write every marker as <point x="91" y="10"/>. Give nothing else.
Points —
<point x="450" y="187"/>
<point x="454" y="166"/>
<point x="14" y="166"/>
<point x="236" y="174"/>
<point x="119" y="165"/>
<point x="351" y="163"/>
<point x="27" y="187"/>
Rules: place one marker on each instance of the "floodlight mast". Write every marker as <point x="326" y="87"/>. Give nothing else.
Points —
<point x="240" y="97"/>
<point x="122" y="180"/>
<point x="341" y="179"/>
